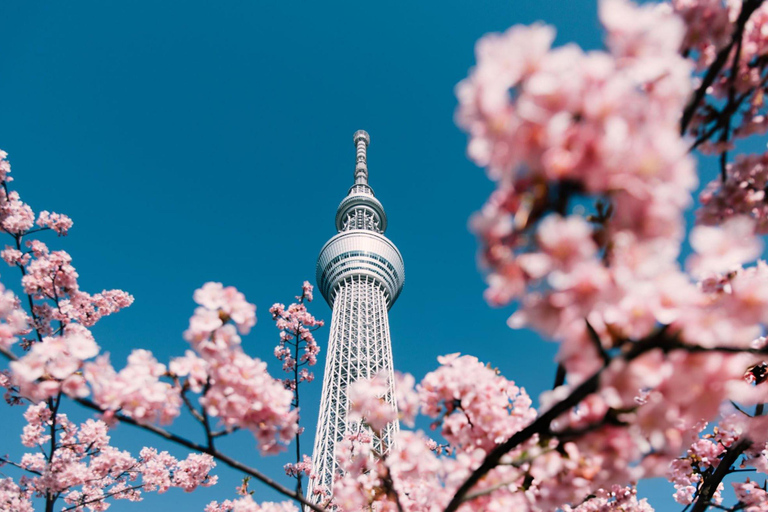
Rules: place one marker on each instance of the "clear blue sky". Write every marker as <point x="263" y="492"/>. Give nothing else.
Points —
<point x="212" y="141"/>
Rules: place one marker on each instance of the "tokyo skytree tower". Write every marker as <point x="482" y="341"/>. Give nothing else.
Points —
<point x="360" y="273"/>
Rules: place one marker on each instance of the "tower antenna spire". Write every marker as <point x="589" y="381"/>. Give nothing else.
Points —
<point x="362" y="140"/>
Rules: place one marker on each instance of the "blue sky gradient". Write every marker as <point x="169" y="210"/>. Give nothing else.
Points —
<point x="212" y="141"/>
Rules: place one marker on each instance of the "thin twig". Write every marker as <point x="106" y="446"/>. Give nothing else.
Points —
<point x="3" y="460"/>
<point x="102" y="498"/>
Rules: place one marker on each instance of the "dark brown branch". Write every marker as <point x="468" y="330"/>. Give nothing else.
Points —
<point x="3" y="460"/>
<point x="389" y="487"/>
<point x="660" y="339"/>
<point x="102" y="498"/>
<point x="747" y="9"/>
<point x="541" y="424"/>
<point x="595" y="338"/>
<point x="559" y="376"/>
<point x="711" y="482"/>
<point x="725" y="135"/>
<point x="192" y="409"/>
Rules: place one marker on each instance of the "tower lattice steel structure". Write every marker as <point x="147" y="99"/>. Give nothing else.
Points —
<point x="360" y="273"/>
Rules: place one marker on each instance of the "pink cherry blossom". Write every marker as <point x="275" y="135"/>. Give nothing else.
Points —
<point x="239" y="390"/>
<point x="82" y="467"/>
<point x="137" y="390"/>
<point x="214" y="296"/>
<point x="13" y="497"/>
<point x="480" y="407"/>
<point x="16" y="217"/>
<point x="368" y="403"/>
<point x="56" y="221"/>
<point x="721" y="249"/>
<point x="247" y="504"/>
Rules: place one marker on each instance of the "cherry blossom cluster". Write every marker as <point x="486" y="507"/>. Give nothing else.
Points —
<point x="297" y="349"/>
<point x="247" y="504"/>
<point x="368" y="403"/>
<point x="137" y="390"/>
<point x="48" y="276"/>
<point x="578" y="127"/>
<point x="84" y="470"/>
<point x="16" y="217"/>
<point x="708" y="27"/>
<point x="303" y="467"/>
<point x="752" y="496"/>
<point x="707" y="453"/>
<point x="14" y="322"/>
<point x="476" y="409"/>
<point x="297" y="346"/>
<point x="13" y="497"/>
<point x="742" y="193"/>
<point x="236" y="388"/>
<point x="50" y="279"/>
<point x="56" y="221"/>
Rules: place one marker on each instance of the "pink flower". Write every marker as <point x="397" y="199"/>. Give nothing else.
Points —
<point x="368" y="402"/>
<point x="215" y="297"/>
<point x="720" y="249"/>
<point x="56" y="221"/>
<point x="480" y="408"/>
<point x="566" y="240"/>
<point x="12" y="496"/>
<point x="16" y="217"/>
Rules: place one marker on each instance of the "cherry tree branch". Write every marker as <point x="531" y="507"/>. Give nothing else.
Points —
<point x="541" y="424"/>
<point x="192" y="409"/>
<point x="102" y="498"/>
<point x="711" y="482"/>
<point x="747" y="9"/>
<point x="297" y="341"/>
<point x="659" y="340"/>
<point x="170" y="436"/>
<point x="3" y="460"/>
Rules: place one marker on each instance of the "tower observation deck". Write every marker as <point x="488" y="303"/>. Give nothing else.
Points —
<point x="360" y="274"/>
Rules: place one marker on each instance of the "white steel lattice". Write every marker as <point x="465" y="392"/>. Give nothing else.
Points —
<point x="359" y="348"/>
<point x="360" y="273"/>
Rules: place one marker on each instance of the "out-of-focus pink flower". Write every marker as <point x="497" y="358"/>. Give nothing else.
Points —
<point x="368" y="402"/>
<point x="724" y="248"/>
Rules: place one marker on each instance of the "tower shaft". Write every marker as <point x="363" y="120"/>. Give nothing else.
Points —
<point x="359" y="348"/>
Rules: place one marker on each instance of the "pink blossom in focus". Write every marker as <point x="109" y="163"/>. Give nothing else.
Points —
<point x="56" y="221"/>
<point x="240" y="392"/>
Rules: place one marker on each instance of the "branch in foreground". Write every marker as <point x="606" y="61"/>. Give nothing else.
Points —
<point x="541" y="424"/>
<point x="210" y="451"/>
<point x="192" y="446"/>
<point x="659" y="340"/>
<point x="722" y="58"/>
